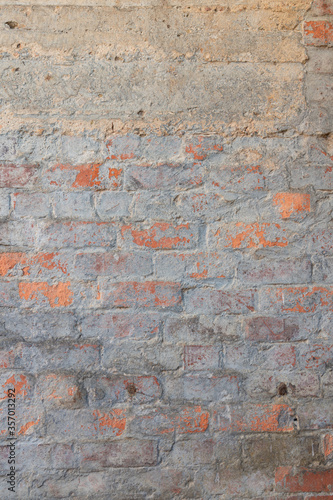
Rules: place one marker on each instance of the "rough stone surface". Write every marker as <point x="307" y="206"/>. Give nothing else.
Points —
<point x="166" y="248"/>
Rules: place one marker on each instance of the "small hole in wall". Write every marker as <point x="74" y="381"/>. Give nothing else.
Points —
<point x="131" y="389"/>
<point x="282" y="390"/>
<point x="11" y="24"/>
<point x="141" y="112"/>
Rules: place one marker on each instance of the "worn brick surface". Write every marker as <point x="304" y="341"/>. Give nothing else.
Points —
<point x="166" y="248"/>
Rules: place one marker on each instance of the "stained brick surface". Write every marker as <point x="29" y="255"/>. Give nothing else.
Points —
<point x="166" y="249"/>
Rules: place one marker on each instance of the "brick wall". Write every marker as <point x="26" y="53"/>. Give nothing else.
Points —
<point x="166" y="174"/>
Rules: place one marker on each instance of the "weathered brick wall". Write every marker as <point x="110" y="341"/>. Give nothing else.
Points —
<point x="166" y="248"/>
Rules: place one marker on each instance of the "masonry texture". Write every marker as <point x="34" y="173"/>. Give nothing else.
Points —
<point x="166" y="239"/>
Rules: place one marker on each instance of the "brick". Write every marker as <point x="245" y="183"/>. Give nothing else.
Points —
<point x="235" y="483"/>
<point x="35" y="204"/>
<point x="328" y="445"/>
<point x="112" y="264"/>
<point x="323" y="270"/>
<point x="21" y="383"/>
<point x="199" y="148"/>
<point x="17" y="264"/>
<point x="301" y="299"/>
<point x="266" y="329"/>
<point x="186" y="453"/>
<point x="242" y="235"/>
<point x="130" y="453"/>
<point x="123" y="147"/>
<point x="197" y="357"/>
<point x="322" y="7"/>
<point x="142" y="357"/>
<point x="254" y="418"/>
<point x="43" y="456"/>
<point x="160" y="421"/>
<point x="321" y="240"/>
<point x="40" y="326"/>
<point x="262" y="453"/>
<point x="9" y="294"/>
<point x="320" y="177"/>
<point x="292" y="205"/>
<point x="136" y="326"/>
<point x="154" y="206"/>
<point x="111" y="205"/>
<point x="106" y="391"/>
<point x="77" y="234"/>
<point x="315" y="355"/>
<point x="303" y="480"/>
<point x="196" y="266"/>
<point x="212" y="388"/>
<point x="4" y="205"/>
<point x="36" y="358"/>
<point x="318" y="33"/>
<point x="85" y="424"/>
<point x="267" y="383"/>
<point x="163" y="177"/>
<point x="57" y="390"/>
<point x="197" y="330"/>
<point x="151" y="294"/>
<point x="320" y="61"/>
<point x="18" y="233"/>
<point x="200" y="206"/>
<point x="17" y="176"/>
<point x="316" y="415"/>
<point x="272" y="271"/>
<point x="327" y="380"/>
<point x="237" y="178"/>
<point x="160" y="236"/>
<point x="72" y="205"/>
<point x="210" y="301"/>
<point x="86" y="176"/>
<point x="60" y="294"/>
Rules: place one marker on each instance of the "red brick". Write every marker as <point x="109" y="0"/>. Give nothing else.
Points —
<point x="154" y="294"/>
<point x="17" y="176"/>
<point x="17" y="264"/>
<point x="304" y="480"/>
<point x="210" y="301"/>
<point x="184" y="420"/>
<point x="271" y="329"/>
<point x="22" y="384"/>
<point x="318" y="33"/>
<point x="77" y="234"/>
<point x="328" y="445"/>
<point x="75" y="177"/>
<point x="291" y="205"/>
<point x="57" y="295"/>
<point x="301" y="299"/>
<point x="113" y="264"/>
<point x="130" y="453"/>
<point x="198" y="357"/>
<point x="254" y="418"/>
<point x="280" y="357"/>
<point x="242" y="235"/>
<point x="161" y="235"/>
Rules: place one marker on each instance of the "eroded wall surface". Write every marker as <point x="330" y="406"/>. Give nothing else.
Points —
<point x="166" y="248"/>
